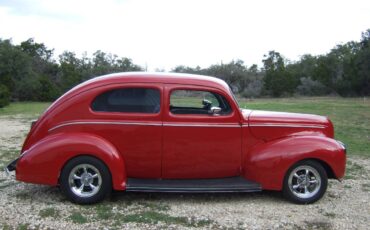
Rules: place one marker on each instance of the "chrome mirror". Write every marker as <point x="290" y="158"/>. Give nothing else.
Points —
<point x="215" y="110"/>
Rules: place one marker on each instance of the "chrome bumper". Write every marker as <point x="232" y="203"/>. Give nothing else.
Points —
<point x="11" y="167"/>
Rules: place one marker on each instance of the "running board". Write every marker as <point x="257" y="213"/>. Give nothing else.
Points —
<point x="230" y="184"/>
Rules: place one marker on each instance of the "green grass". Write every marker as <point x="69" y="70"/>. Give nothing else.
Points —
<point x="153" y="217"/>
<point x="23" y="227"/>
<point x="104" y="212"/>
<point x="24" y="108"/>
<point x="350" y="116"/>
<point x="78" y="218"/>
<point x="49" y="212"/>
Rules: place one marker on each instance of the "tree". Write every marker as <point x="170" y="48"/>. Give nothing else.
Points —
<point x="278" y="81"/>
<point x="361" y="63"/>
<point x="70" y="70"/>
<point x="4" y="96"/>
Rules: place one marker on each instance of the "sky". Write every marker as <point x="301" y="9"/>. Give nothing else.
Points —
<point x="161" y="34"/>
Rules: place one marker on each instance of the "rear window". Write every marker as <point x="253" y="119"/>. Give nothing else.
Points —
<point x="128" y="100"/>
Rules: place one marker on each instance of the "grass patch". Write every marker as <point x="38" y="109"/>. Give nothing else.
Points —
<point x="354" y="170"/>
<point x="149" y="213"/>
<point x="366" y="187"/>
<point x="7" y="185"/>
<point x="23" y="226"/>
<point x="329" y="214"/>
<point x="156" y="206"/>
<point x="78" y="218"/>
<point x="24" y="108"/>
<point x="319" y="225"/>
<point x="153" y="217"/>
<point x="104" y="212"/>
<point x="49" y="212"/>
<point x="6" y="156"/>
<point x="5" y="226"/>
<point x="23" y="195"/>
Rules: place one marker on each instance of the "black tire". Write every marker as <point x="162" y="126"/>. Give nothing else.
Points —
<point x="94" y="179"/>
<point x="300" y="188"/>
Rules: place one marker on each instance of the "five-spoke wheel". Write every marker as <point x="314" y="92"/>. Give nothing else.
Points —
<point x="305" y="182"/>
<point x="85" y="180"/>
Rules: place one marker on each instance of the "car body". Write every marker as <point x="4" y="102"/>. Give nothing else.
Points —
<point x="175" y="133"/>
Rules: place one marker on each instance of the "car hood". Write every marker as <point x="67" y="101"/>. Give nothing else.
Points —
<point x="269" y="125"/>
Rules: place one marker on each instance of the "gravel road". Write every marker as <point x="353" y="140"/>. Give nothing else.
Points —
<point x="346" y="204"/>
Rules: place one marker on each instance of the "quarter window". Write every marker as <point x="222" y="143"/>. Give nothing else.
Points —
<point x="197" y="102"/>
<point x="128" y="100"/>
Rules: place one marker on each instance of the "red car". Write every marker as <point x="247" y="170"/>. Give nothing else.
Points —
<point x="175" y="133"/>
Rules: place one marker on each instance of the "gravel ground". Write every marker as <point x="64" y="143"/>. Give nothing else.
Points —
<point x="28" y="206"/>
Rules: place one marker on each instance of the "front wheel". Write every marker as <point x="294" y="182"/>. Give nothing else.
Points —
<point x="85" y="180"/>
<point x="305" y="182"/>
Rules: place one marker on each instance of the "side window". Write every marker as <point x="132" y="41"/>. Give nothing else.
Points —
<point x="128" y="100"/>
<point x="197" y="102"/>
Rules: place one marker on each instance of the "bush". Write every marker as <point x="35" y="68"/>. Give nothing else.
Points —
<point x="309" y="87"/>
<point x="4" y="96"/>
<point x="253" y="89"/>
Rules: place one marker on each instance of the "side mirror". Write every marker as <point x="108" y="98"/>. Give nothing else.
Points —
<point x="215" y="110"/>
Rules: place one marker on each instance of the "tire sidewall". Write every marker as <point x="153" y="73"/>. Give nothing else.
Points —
<point x="323" y="186"/>
<point x="106" y="185"/>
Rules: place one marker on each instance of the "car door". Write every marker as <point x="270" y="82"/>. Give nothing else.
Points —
<point x="197" y="144"/>
<point x="130" y="117"/>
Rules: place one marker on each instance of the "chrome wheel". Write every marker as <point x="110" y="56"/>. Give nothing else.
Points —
<point x="85" y="180"/>
<point x="304" y="181"/>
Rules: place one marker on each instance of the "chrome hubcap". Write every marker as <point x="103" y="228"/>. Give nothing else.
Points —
<point x="304" y="182"/>
<point x="85" y="180"/>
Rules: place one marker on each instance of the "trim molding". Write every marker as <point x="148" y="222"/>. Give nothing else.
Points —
<point x="103" y="123"/>
<point x="286" y="125"/>
<point x="208" y="125"/>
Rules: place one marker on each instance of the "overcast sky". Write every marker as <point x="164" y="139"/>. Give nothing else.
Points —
<point x="165" y="33"/>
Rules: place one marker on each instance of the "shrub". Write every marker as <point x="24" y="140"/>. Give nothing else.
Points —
<point x="309" y="87"/>
<point x="4" y="96"/>
<point x="253" y="89"/>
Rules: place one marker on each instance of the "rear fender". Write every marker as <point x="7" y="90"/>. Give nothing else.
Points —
<point x="267" y="163"/>
<point x="43" y="162"/>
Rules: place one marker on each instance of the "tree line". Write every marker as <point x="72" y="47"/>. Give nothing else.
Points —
<point x="29" y="72"/>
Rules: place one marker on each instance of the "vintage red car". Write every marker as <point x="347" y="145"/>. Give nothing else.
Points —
<point x="165" y="132"/>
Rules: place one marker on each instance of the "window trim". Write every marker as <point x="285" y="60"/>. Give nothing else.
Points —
<point x="197" y="88"/>
<point x="128" y="86"/>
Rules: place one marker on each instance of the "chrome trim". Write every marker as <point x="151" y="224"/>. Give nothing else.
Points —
<point x="342" y="145"/>
<point x="209" y="125"/>
<point x="144" y="124"/>
<point x="7" y="172"/>
<point x="103" y="123"/>
<point x="286" y="125"/>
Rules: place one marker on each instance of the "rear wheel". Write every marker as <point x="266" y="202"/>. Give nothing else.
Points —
<point x="85" y="180"/>
<point x="305" y="182"/>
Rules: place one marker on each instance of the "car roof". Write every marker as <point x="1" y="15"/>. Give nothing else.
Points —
<point x="142" y="77"/>
<point x="156" y="77"/>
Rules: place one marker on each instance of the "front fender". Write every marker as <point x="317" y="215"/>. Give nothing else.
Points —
<point x="43" y="162"/>
<point x="267" y="163"/>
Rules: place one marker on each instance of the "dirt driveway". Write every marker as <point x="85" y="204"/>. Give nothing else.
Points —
<point x="346" y="205"/>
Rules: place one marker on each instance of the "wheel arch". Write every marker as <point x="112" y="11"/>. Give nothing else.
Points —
<point x="43" y="162"/>
<point x="267" y="163"/>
